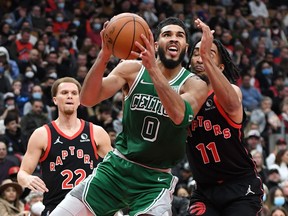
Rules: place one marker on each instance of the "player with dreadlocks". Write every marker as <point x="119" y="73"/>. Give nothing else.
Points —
<point x="227" y="182"/>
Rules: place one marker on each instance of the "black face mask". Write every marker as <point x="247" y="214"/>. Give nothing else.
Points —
<point x="49" y="33"/>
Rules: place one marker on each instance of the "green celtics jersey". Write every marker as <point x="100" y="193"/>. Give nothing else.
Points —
<point x="149" y="136"/>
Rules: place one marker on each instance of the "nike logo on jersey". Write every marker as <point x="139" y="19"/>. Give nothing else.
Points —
<point x="162" y="179"/>
<point x="58" y="141"/>
<point x="146" y="83"/>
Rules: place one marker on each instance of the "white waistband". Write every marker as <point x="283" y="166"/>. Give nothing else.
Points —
<point x="119" y="154"/>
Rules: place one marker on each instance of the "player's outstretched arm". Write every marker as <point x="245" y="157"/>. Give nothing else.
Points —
<point x="229" y="96"/>
<point x="36" y="146"/>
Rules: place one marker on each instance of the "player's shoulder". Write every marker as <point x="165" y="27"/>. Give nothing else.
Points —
<point x="40" y="130"/>
<point x="39" y="137"/>
<point x="98" y="129"/>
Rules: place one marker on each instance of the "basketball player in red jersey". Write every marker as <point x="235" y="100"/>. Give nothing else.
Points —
<point x="227" y="181"/>
<point x="68" y="148"/>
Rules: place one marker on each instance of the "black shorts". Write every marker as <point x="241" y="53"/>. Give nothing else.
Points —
<point x="236" y="198"/>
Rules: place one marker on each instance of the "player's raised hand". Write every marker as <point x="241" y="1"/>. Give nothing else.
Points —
<point x="207" y="37"/>
<point x="147" y="52"/>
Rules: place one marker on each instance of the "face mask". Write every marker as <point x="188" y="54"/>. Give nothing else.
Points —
<point x="264" y="197"/>
<point x="96" y="26"/>
<point x="245" y="35"/>
<point x="59" y="19"/>
<point x="37" y="95"/>
<point x="2" y="70"/>
<point x="61" y="5"/>
<point x="267" y="71"/>
<point x="29" y="74"/>
<point x="53" y="75"/>
<point x="275" y="31"/>
<point x="9" y="21"/>
<point x="76" y="23"/>
<point x="279" y="201"/>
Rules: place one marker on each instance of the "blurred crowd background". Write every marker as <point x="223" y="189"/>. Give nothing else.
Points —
<point x="43" y="40"/>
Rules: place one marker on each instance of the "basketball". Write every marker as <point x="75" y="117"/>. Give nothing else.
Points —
<point x="121" y="33"/>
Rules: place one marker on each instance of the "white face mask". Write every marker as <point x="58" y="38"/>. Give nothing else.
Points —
<point x="29" y="74"/>
<point x="245" y="35"/>
<point x="54" y="75"/>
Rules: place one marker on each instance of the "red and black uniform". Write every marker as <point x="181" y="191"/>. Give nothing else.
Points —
<point x="67" y="161"/>
<point x="221" y="166"/>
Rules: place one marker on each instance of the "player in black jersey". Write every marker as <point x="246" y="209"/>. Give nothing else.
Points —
<point x="67" y="148"/>
<point x="227" y="181"/>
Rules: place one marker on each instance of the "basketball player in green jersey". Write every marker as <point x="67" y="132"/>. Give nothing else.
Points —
<point x="161" y="98"/>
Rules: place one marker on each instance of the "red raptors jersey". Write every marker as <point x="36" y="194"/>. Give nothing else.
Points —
<point x="67" y="161"/>
<point x="216" y="151"/>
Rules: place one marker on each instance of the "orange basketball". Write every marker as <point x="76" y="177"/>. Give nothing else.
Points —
<point x="121" y="33"/>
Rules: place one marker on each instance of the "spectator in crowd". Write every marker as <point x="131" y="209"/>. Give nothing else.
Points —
<point x="281" y="161"/>
<point x="21" y="48"/>
<point x="265" y="209"/>
<point x="13" y="134"/>
<point x="32" y="39"/>
<point x="10" y="204"/>
<point x="276" y="33"/>
<point x="60" y="24"/>
<point x="284" y="112"/>
<point x="7" y="34"/>
<point x="280" y="92"/>
<point x="33" y="197"/>
<point x="258" y="9"/>
<point x="94" y="31"/>
<point x="260" y="166"/>
<point x="103" y="115"/>
<point x="9" y="105"/>
<point x="33" y="61"/>
<point x="37" y="94"/>
<point x="264" y="73"/>
<point x="279" y="211"/>
<point x="220" y="18"/>
<point x="63" y="8"/>
<point x="36" y="19"/>
<point x="238" y="21"/>
<point x="251" y="96"/>
<point x="11" y="67"/>
<point x="253" y="141"/>
<point x="5" y="162"/>
<point x="273" y="178"/>
<point x="275" y="197"/>
<point x="267" y="120"/>
<point x="19" y="14"/>
<point x="32" y="120"/>
<point x="29" y="80"/>
<point x="5" y="84"/>
<point x="181" y="201"/>
<point x="284" y="186"/>
<point x="279" y="145"/>
<point x="81" y="60"/>
<point x="20" y="97"/>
